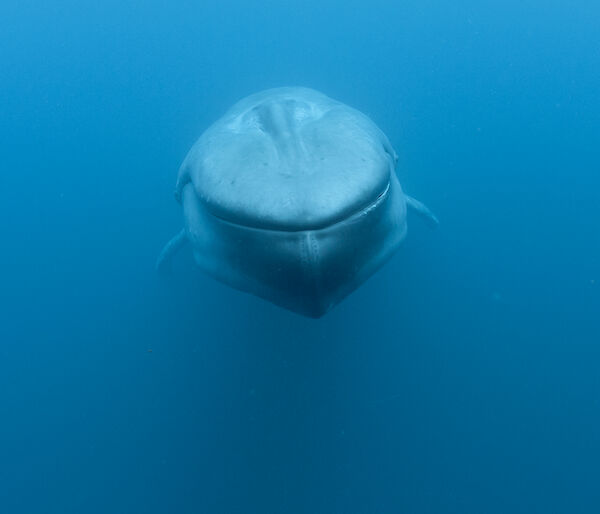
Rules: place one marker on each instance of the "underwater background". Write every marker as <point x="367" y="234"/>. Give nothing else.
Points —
<point x="464" y="377"/>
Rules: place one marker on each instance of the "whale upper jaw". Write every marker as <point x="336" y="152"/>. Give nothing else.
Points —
<point x="308" y="226"/>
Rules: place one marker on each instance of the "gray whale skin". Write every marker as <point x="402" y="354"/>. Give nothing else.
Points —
<point x="292" y="196"/>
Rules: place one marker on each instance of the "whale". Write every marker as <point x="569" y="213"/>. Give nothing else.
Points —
<point x="292" y="196"/>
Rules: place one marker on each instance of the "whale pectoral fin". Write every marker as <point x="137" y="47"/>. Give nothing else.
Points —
<point x="423" y="211"/>
<point x="163" y="262"/>
<point x="182" y="181"/>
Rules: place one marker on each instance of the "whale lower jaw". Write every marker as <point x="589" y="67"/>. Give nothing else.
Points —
<point x="306" y="271"/>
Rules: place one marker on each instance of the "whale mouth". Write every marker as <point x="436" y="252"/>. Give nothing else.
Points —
<point x="298" y="227"/>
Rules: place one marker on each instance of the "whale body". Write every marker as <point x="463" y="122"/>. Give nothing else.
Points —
<point x="292" y="196"/>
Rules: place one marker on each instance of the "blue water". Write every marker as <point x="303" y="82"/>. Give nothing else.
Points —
<point x="464" y="377"/>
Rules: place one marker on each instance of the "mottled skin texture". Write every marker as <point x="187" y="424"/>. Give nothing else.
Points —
<point x="292" y="196"/>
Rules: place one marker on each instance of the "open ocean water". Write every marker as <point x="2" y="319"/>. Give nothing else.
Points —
<point x="464" y="377"/>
